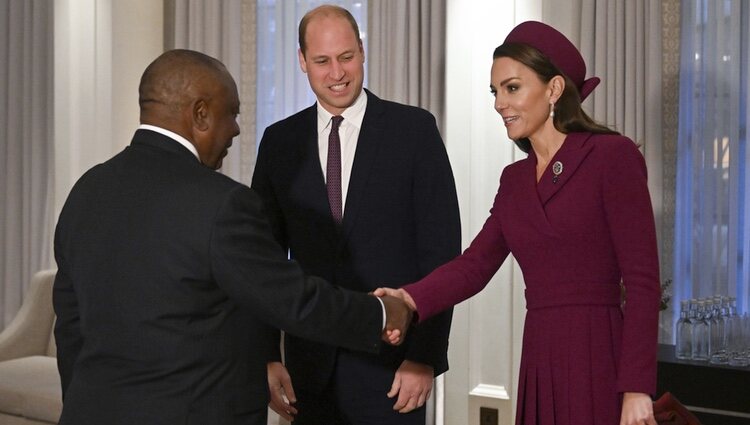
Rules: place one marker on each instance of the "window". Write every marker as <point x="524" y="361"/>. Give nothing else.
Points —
<point x="712" y="219"/>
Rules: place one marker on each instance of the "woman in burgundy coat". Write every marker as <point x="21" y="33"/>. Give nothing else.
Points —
<point x="576" y="214"/>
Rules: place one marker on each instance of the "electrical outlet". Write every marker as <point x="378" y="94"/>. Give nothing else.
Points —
<point x="488" y="416"/>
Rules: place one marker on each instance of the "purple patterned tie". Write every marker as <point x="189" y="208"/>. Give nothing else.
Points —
<point x="333" y="169"/>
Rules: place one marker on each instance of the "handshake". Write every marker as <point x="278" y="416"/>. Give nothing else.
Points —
<point x="399" y="312"/>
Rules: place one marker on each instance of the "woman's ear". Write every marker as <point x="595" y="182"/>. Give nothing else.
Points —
<point x="556" y="86"/>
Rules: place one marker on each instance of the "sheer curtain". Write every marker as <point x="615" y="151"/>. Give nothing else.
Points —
<point x="282" y="86"/>
<point x="226" y="31"/>
<point x="712" y="230"/>
<point x="407" y="52"/>
<point x="26" y="155"/>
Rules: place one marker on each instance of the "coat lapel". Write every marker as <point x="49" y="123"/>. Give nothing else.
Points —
<point x="313" y="181"/>
<point x="571" y="155"/>
<point x="527" y="200"/>
<point x="372" y="131"/>
<point x="533" y="196"/>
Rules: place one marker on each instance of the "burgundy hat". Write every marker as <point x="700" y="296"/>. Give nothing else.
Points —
<point x="553" y="44"/>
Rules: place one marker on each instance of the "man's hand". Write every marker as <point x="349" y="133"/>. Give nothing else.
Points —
<point x="398" y="293"/>
<point x="281" y="390"/>
<point x="398" y="318"/>
<point x="413" y="384"/>
<point x="637" y="409"/>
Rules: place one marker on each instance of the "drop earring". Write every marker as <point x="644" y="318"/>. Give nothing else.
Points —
<point x="551" y="110"/>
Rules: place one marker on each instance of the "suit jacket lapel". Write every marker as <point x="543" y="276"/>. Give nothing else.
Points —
<point x="372" y="131"/>
<point x="313" y="180"/>
<point x="570" y="155"/>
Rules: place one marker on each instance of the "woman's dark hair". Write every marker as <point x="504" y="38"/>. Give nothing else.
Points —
<point x="569" y="116"/>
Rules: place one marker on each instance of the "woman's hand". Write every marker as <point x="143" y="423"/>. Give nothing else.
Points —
<point x="637" y="409"/>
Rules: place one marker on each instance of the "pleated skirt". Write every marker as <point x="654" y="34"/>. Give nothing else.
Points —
<point x="569" y="366"/>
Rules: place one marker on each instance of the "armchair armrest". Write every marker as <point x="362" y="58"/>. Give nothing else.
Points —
<point x="29" y="332"/>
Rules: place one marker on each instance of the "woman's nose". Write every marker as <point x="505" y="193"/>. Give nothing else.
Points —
<point x="499" y="104"/>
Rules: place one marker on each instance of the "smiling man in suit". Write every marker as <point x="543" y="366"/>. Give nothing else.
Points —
<point x="361" y="192"/>
<point x="168" y="274"/>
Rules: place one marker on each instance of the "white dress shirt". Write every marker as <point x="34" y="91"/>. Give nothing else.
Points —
<point x="348" y="134"/>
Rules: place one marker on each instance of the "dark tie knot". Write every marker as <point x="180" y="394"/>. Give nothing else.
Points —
<point x="336" y="122"/>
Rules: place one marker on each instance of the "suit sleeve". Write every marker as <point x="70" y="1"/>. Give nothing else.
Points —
<point x="67" y="325"/>
<point x="631" y="222"/>
<point x="438" y="230"/>
<point x="249" y="265"/>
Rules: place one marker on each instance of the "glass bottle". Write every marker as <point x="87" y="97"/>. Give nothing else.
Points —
<point x="700" y="332"/>
<point x="683" y="346"/>
<point x="717" y="328"/>
<point x="693" y="319"/>
<point x="737" y="340"/>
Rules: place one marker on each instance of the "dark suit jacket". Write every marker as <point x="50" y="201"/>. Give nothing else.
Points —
<point x="400" y="220"/>
<point x="168" y="274"/>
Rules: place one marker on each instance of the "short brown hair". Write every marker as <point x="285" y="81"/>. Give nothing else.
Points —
<point x="325" y="11"/>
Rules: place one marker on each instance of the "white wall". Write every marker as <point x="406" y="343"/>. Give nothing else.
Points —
<point x="101" y="50"/>
<point x="486" y="334"/>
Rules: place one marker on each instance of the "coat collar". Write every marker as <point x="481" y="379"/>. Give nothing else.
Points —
<point x="162" y="142"/>
<point x="535" y="196"/>
<point x="569" y="157"/>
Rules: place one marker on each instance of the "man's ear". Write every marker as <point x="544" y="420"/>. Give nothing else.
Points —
<point x="302" y="61"/>
<point x="201" y="116"/>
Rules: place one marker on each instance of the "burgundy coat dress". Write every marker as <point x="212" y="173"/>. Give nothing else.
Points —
<point x="575" y="238"/>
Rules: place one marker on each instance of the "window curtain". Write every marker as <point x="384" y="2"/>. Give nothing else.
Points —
<point x="225" y="30"/>
<point x="406" y="57"/>
<point x="26" y="154"/>
<point x="712" y="230"/>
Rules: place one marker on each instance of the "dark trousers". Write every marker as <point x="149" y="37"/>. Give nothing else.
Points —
<point x="356" y="395"/>
<point x="257" y="417"/>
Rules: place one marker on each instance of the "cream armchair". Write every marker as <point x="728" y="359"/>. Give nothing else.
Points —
<point x="30" y="390"/>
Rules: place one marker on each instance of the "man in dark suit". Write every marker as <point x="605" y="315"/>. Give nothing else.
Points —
<point x="361" y="192"/>
<point x="168" y="273"/>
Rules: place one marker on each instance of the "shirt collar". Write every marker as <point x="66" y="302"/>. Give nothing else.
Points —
<point x="172" y="135"/>
<point x="352" y="115"/>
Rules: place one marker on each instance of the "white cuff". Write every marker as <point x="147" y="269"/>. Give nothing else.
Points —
<point x="382" y="305"/>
